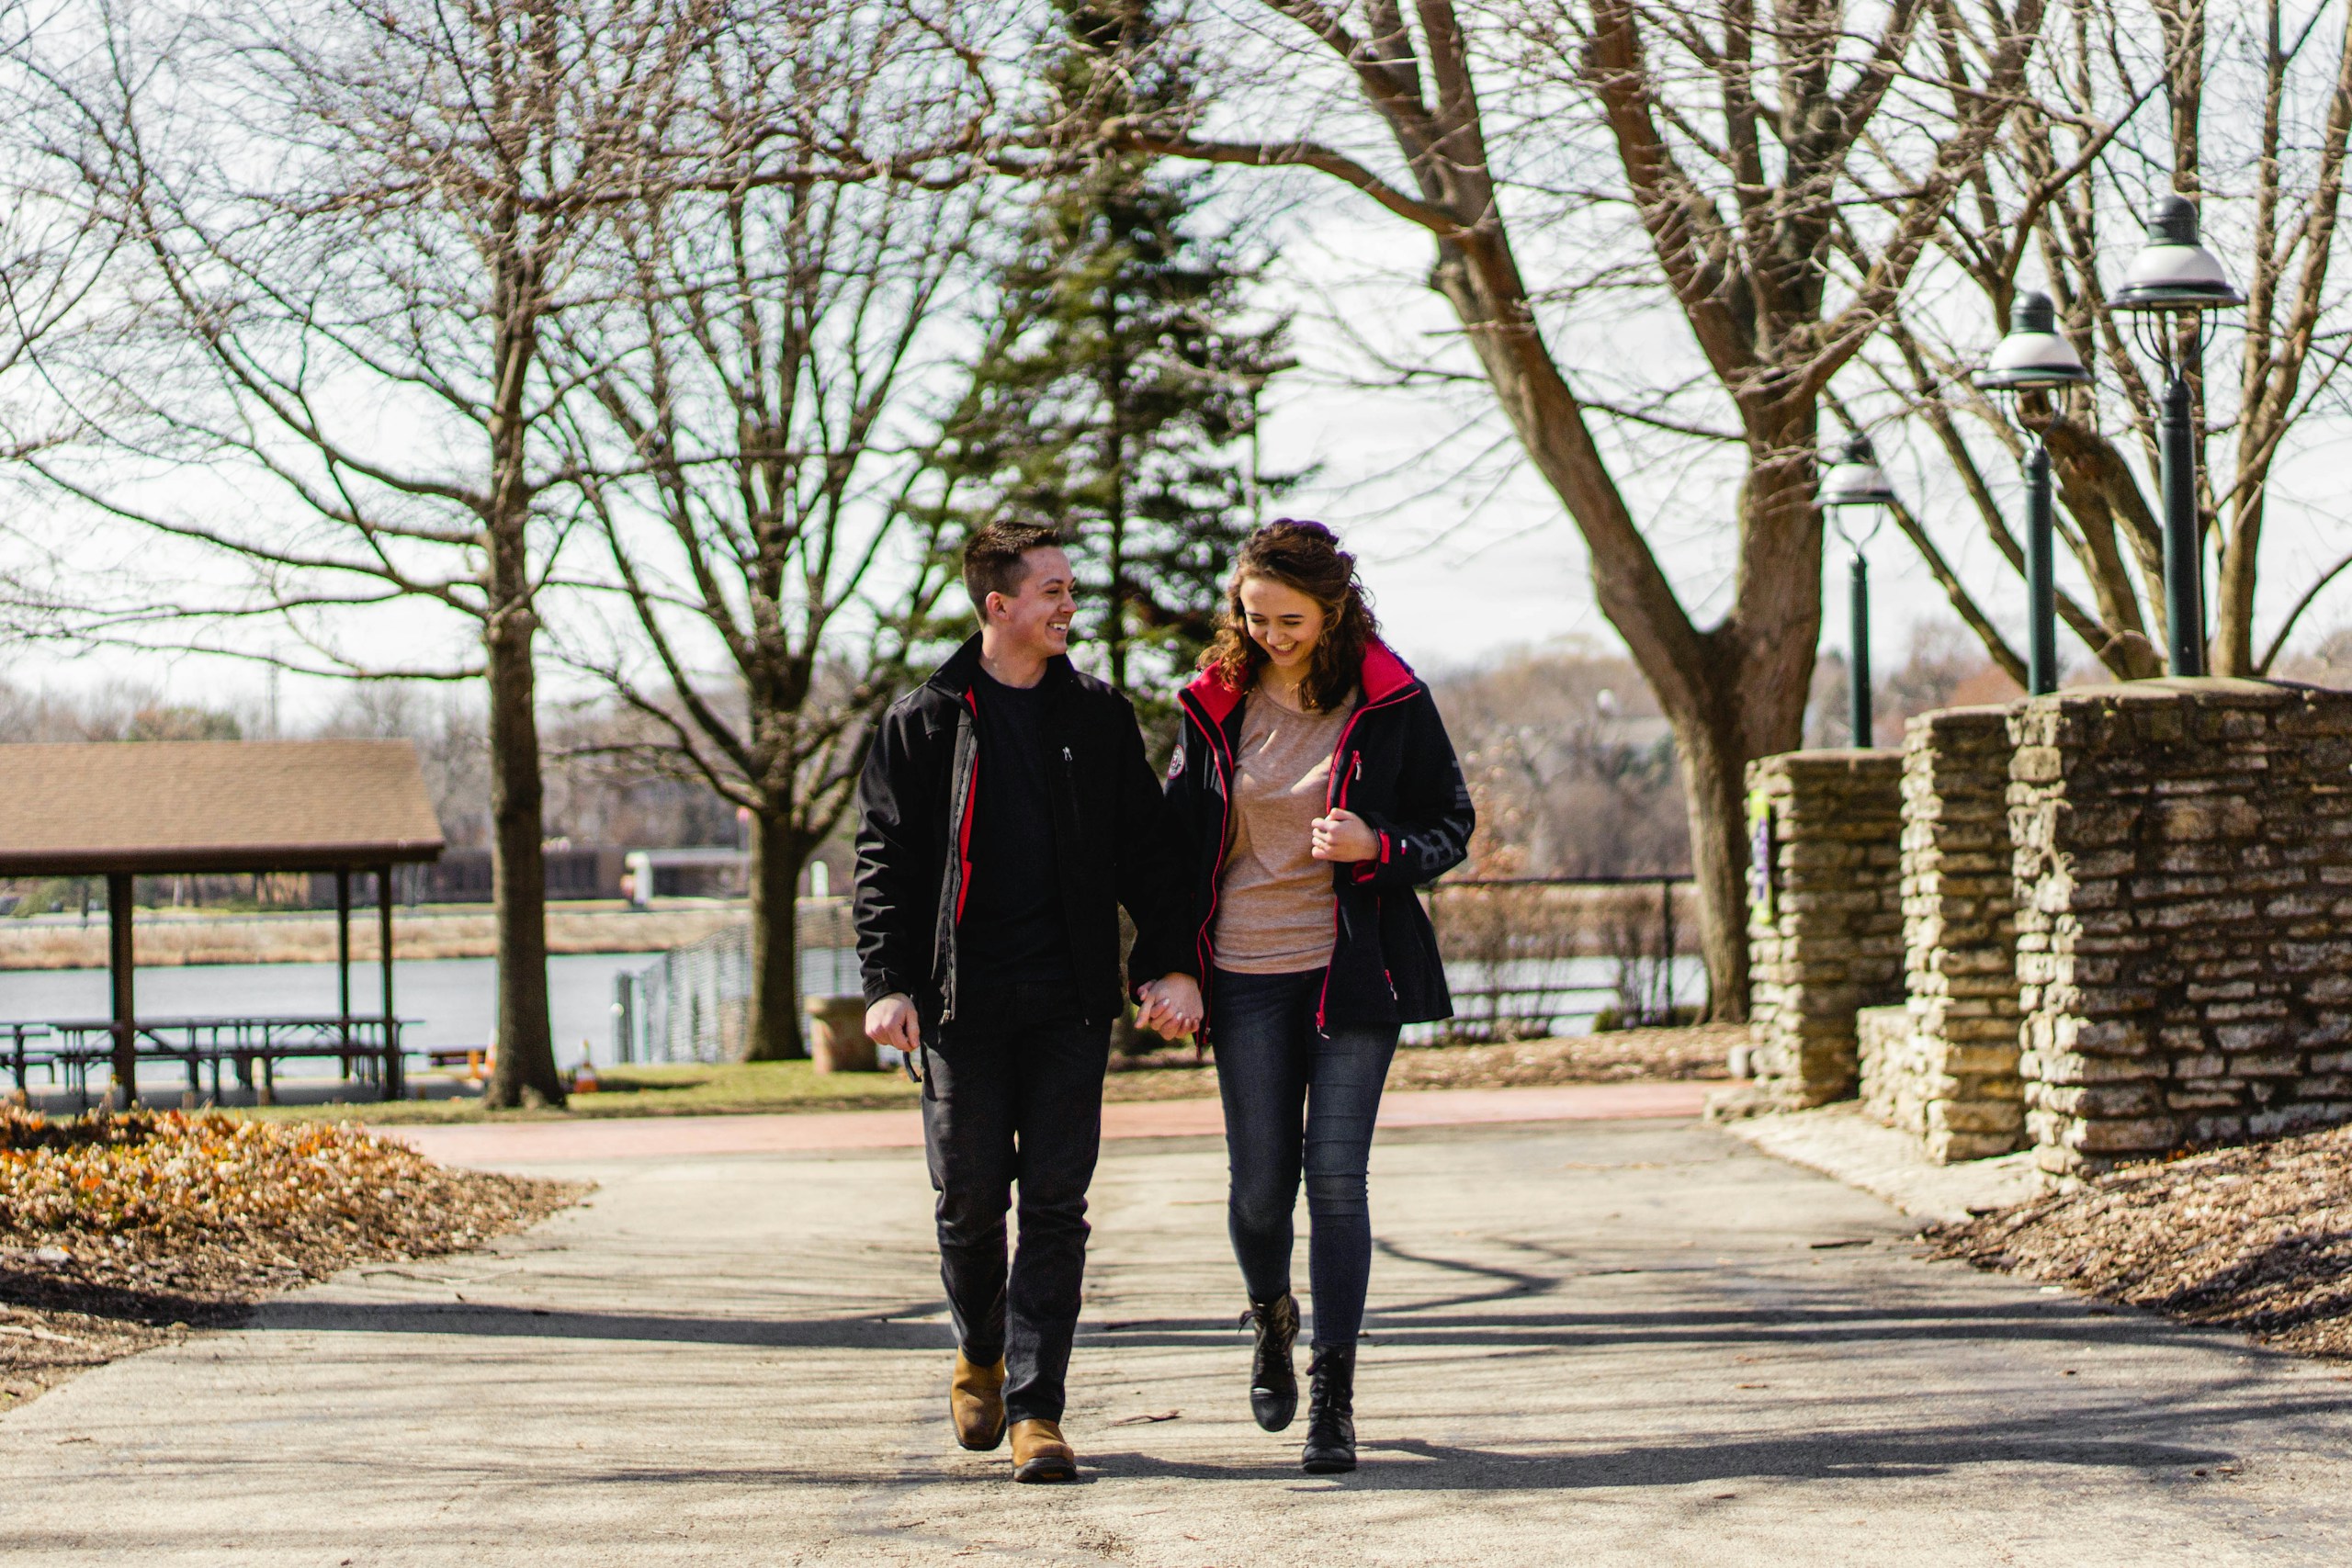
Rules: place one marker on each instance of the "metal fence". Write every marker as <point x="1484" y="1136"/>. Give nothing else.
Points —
<point x="1528" y="957"/>
<point x="695" y="1003"/>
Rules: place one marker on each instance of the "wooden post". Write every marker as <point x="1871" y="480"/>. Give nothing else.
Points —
<point x="343" y="958"/>
<point x="1666" y="924"/>
<point x="393" y="1089"/>
<point x="119" y="962"/>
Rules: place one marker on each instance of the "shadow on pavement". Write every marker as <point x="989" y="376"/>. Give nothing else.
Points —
<point x="1831" y="1319"/>
<point x="2086" y="1441"/>
<point x="874" y="1331"/>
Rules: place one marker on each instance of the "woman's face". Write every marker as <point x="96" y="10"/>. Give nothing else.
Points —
<point x="1283" y="621"/>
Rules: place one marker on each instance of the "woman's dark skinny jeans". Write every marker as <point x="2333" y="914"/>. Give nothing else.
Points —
<point x="1297" y="1098"/>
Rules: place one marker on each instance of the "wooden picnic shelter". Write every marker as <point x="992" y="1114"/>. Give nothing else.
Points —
<point x="122" y="810"/>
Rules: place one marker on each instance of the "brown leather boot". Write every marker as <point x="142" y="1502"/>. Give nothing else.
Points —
<point x="976" y="1399"/>
<point x="1039" y="1453"/>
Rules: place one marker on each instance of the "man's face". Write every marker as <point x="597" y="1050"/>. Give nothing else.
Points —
<point x="1037" y="619"/>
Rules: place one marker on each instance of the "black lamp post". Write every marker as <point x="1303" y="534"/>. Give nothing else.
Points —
<point x="1854" y="480"/>
<point x="2166" y="291"/>
<point x="2034" y="357"/>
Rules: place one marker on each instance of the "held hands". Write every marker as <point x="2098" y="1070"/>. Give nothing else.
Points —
<point x="892" y="1022"/>
<point x="1172" y="1006"/>
<point x="1344" y="835"/>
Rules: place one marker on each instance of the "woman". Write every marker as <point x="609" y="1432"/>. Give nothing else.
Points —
<point x="1314" y="788"/>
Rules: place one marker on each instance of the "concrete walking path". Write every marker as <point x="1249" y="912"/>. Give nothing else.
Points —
<point x="1594" y="1342"/>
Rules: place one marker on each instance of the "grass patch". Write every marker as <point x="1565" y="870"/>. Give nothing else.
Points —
<point x="710" y="1089"/>
<point x="751" y="1087"/>
<point x="693" y="1088"/>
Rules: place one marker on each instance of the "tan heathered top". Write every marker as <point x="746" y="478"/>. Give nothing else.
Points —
<point x="1275" y="913"/>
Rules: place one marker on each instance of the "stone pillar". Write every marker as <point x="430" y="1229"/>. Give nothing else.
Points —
<point x="1889" y="1068"/>
<point x="2183" y="866"/>
<point x="1953" y="1082"/>
<point x="1825" y="915"/>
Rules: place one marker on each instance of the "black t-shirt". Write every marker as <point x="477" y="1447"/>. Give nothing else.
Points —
<point x="1014" y="931"/>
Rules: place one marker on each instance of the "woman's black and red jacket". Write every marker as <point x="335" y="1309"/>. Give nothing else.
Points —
<point x="1394" y="768"/>
<point x="1111" y="846"/>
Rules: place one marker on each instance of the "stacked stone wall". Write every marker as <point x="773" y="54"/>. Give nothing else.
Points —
<point x="2183" y="855"/>
<point x="1889" y="1068"/>
<point x="1947" y="1069"/>
<point x="1825" y="915"/>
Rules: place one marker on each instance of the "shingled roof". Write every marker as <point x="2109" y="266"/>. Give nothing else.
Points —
<point x="217" y="806"/>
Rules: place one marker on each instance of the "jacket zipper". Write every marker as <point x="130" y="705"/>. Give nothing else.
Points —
<point x="1336" y="799"/>
<point x="971" y="800"/>
<point x="1202" y="946"/>
<point x="963" y="852"/>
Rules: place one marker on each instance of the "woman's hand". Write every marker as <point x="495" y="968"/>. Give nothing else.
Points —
<point x="1172" y="1006"/>
<point x="1344" y="835"/>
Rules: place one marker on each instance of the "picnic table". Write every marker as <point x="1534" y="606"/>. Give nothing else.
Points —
<point x="250" y="1047"/>
<point x="20" y="1054"/>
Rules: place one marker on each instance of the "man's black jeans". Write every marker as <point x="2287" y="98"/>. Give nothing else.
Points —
<point x="1297" y="1098"/>
<point x="1008" y="1101"/>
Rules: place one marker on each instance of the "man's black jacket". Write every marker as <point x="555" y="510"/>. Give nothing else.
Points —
<point x="1394" y="768"/>
<point x="1110" y="843"/>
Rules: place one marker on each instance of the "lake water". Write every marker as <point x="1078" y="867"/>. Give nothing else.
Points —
<point x="453" y="1001"/>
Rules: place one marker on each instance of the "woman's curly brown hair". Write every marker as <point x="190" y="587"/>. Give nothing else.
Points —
<point x="1307" y="556"/>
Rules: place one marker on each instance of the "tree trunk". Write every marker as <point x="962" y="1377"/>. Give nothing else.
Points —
<point x="1714" y="785"/>
<point x="777" y="855"/>
<point x="2233" y="651"/>
<point x="525" y="1072"/>
<point x="1732" y="693"/>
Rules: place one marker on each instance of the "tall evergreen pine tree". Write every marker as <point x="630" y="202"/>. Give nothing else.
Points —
<point x="1118" y="397"/>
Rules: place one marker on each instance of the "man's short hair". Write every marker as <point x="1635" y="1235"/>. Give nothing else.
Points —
<point x="992" y="561"/>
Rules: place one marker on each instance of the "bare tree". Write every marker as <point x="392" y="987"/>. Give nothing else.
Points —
<point x="1571" y="764"/>
<point x="57" y="249"/>
<point x="2133" y="98"/>
<point x="1734" y="138"/>
<point x="365" y="227"/>
<point x="54" y="245"/>
<point x="753" y="437"/>
<point x="361" y="222"/>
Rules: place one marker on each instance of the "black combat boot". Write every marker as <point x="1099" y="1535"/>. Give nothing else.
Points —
<point x="1331" y="1412"/>
<point x="1273" y="1382"/>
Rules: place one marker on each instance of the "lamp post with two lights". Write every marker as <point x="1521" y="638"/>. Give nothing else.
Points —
<point x="2034" y="357"/>
<point x="2170" y="292"/>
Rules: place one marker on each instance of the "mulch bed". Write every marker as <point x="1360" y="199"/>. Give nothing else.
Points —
<point x="2255" y="1238"/>
<point x="120" y="1231"/>
<point x="1630" y="1055"/>
<point x="1625" y="1055"/>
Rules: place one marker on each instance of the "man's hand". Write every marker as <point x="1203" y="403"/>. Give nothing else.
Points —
<point x="1172" y="1006"/>
<point x="1344" y="835"/>
<point x="892" y="1022"/>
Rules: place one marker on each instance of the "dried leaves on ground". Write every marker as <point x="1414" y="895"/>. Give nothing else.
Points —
<point x="1624" y="1055"/>
<point x="118" y="1232"/>
<point x="1630" y="1055"/>
<point x="2255" y="1238"/>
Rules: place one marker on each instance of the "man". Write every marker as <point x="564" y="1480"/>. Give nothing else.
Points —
<point x="1005" y="813"/>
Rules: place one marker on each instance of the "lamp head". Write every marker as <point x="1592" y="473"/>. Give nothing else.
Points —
<point x="2035" y="357"/>
<point x="1854" y="478"/>
<point x="2174" y="271"/>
